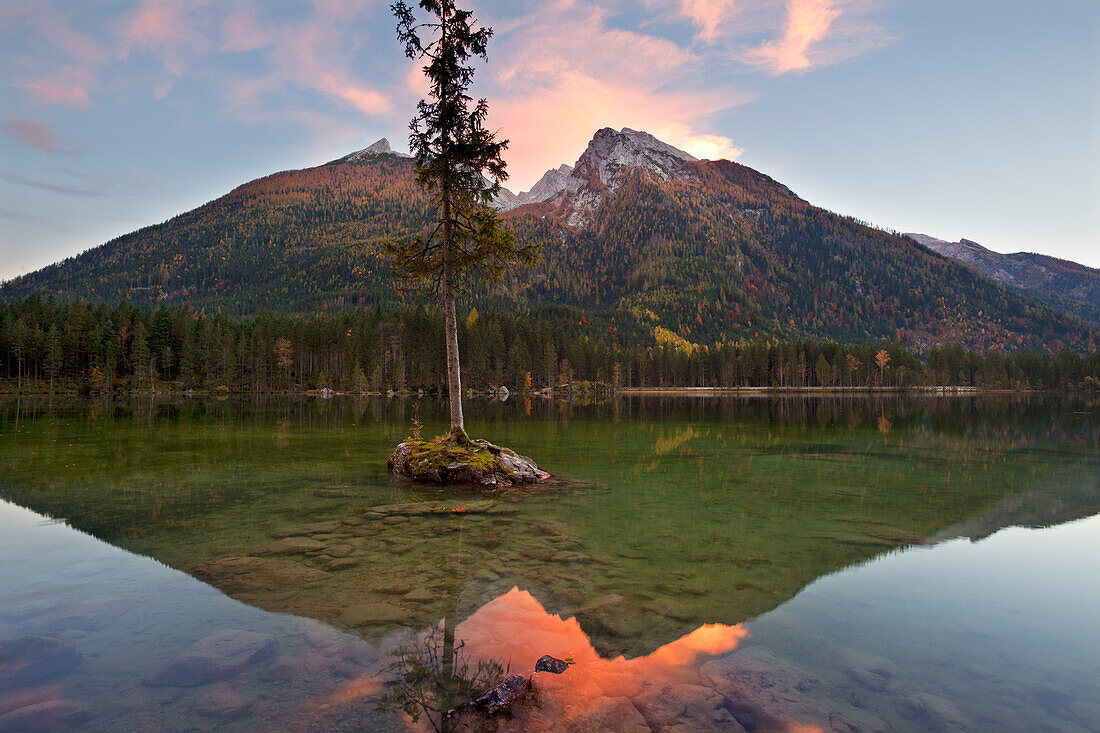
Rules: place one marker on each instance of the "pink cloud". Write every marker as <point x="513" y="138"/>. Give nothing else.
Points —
<point x="169" y="29"/>
<point x="34" y="134"/>
<point x="43" y="18"/>
<point x="553" y="124"/>
<point x="808" y="22"/>
<point x="707" y="15"/>
<point x="310" y="54"/>
<point x="560" y="73"/>
<point x="70" y="88"/>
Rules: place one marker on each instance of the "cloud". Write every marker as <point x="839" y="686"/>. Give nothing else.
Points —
<point x="808" y="22"/>
<point x="707" y="15"/>
<point x="35" y="134"/>
<point x="315" y="53"/>
<point x="22" y="180"/>
<point x="819" y="33"/>
<point x="563" y="71"/>
<point x="70" y="87"/>
<point x="169" y="29"/>
<point x="41" y="17"/>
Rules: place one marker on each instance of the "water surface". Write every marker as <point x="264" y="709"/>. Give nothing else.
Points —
<point x="898" y="564"/>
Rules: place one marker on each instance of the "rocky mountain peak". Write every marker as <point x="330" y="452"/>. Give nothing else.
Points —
<point x="611" y="150"/>
<point x="381" y="147"/>
<point x="579" y="190"/>
<point x="600" y="169"/>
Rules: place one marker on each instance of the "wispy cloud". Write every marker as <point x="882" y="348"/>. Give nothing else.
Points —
<point x="818" y="33"/>
<point x="808" y="22"/>
<point x="69" y="87"/>
<point x="21" y="180"/>
<point x="168" y="29"/>
<point x="35" y="134"/>
<point x="708" y="15"/>
<point x="316" y="53"/>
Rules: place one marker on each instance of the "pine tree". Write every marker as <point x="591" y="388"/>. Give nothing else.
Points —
<point x="458" y="161"/>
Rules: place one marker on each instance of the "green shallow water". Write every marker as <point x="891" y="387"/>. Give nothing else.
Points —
<point x="670" y="519"/>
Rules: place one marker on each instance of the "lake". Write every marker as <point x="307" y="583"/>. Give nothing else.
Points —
<point x="833" y="563"/>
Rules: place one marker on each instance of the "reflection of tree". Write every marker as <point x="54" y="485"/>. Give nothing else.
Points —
<point x="430" y="675"/>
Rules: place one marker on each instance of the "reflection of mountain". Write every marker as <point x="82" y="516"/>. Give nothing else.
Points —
<point x="598" y="693"/>
<point x="716" y="511"/>
<point x="1040" y="508"/>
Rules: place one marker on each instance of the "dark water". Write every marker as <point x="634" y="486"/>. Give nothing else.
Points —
<point x="708" y="563"/>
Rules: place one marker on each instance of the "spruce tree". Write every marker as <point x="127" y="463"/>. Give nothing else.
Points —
<point x="459" y="162"/>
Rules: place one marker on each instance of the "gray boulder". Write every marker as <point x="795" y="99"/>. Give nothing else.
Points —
<point x="223" y="653"/>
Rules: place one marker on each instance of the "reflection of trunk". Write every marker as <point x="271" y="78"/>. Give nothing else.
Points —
<point x="449" y="645"/>
<point x="454" y="377"/>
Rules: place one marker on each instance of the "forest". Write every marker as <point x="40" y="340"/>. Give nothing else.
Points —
<point x="722" y="253"/>
<point x="47" y="346"/>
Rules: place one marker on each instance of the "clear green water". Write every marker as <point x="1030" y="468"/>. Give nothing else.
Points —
<point x="899" y="564"/>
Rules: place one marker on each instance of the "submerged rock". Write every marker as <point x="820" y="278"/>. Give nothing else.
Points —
<point x="247" y="575"/>
<point x="221" y="654"/>
<point x="221" y="701"/>
<point x="49" y="715"/>
<point x="368" y="614"/>
<point x="455" y="459"/>
<point x="29" y="660"/>
<point x="291" y="546"/>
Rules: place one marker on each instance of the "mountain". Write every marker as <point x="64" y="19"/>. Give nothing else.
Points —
<point x="372" y="152"/>
<point x="642" y="243"/>
<point x="552" y="182"/>
<point x="1061" y="283"/>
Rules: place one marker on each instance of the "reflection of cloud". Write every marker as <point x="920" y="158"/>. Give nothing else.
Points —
<point x="34" y="134"/>
<point x="516" y="628"/>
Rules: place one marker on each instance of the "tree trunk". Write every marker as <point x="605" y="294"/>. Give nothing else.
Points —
<point x="454" y="374"/>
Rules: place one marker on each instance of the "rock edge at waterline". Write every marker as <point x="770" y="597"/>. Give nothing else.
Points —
<point x="456" y="459"/>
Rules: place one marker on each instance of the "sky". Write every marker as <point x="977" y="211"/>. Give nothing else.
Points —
<point x="954" y="118"/>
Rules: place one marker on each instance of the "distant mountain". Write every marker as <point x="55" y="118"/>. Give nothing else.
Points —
<point x="1061" y="283"/>
<point x="372" y="152"/>
<point x="643" y="243"/>
<point x="552" y="182"/>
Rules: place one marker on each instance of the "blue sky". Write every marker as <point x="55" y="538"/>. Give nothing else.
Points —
<point x="955" y="118"/>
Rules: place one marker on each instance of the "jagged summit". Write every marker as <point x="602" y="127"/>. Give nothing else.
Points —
<point x="598" y="172"/>
<point x="611" y="150"/>
<point x="552" y="182"/>
<point x="382" y="147"/>
<point x="600" y="169"/>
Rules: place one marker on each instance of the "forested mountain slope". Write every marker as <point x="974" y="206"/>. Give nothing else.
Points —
<point x="294" y="241"/>
<point x="642" y="243"/>
<point x="1066" y="285"/>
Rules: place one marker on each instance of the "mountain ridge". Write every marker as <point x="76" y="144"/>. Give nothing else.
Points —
<point x="1062" y="283"/>
<point x="642" y="243"/>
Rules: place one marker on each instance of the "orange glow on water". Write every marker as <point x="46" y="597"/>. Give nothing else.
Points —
<point x="514" y="628"/>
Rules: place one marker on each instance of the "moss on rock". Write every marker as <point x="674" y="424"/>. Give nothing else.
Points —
<point x="456" y="459"/>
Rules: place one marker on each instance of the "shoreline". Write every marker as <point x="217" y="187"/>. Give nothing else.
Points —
<point x="945" y="390"/>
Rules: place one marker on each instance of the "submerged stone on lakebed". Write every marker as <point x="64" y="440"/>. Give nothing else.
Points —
<point x="455" y="459"/>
